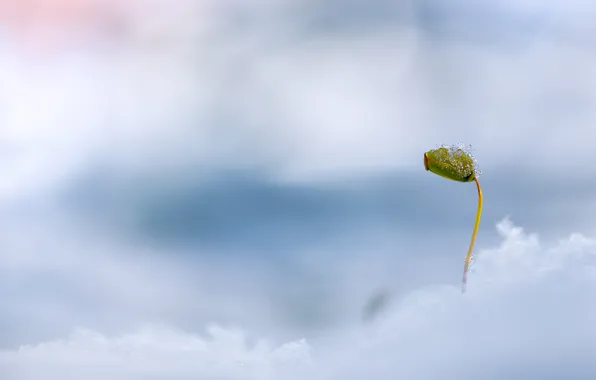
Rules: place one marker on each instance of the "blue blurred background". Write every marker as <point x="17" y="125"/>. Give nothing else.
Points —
<point x="259" y="164"/>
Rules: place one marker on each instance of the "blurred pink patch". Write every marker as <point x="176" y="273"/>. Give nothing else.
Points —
<point x="47" y="26"/>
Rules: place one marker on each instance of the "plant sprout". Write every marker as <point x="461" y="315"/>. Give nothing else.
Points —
<point x="454" y="163"/>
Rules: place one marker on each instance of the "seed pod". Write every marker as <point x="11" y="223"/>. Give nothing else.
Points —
<point x="454" y="164"/>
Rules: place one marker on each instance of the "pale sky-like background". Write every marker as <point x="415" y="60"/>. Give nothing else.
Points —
<point x="202" y="189"/>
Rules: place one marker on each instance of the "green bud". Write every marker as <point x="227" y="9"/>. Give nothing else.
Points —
<point x="452" y="163"/>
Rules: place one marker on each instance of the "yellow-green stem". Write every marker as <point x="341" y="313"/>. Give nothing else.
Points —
<point x="473" y="240"/>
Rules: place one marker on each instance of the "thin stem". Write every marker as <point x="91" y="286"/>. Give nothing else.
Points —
<point x="473" y="240"/>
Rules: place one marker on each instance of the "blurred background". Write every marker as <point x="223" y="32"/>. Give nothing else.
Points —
<point x="259" y="164"/>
